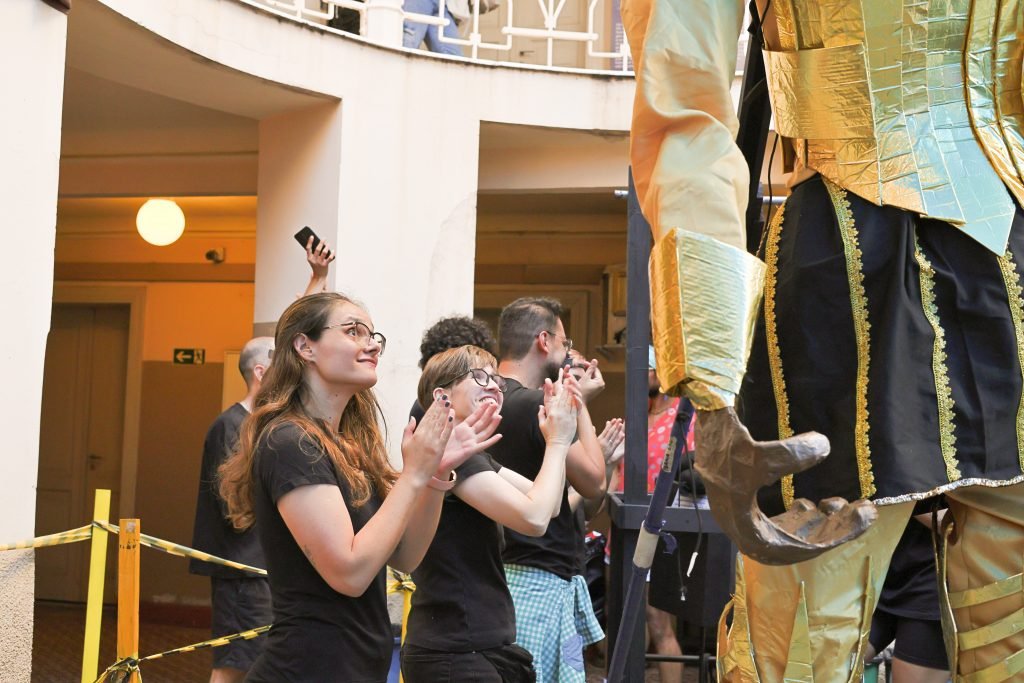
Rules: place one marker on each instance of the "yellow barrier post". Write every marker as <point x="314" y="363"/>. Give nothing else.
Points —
<point x="128" y="592"/>
<point x="94" y="602"/>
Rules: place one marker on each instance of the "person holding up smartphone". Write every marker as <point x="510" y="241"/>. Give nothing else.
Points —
<point x="319" y="256"/>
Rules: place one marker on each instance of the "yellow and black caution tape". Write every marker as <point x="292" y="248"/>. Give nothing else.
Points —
<point x="82" y="533"/>
<point x="400" y="582"/>
<point x="122" y="670"/>
<point x="184" y="550"/>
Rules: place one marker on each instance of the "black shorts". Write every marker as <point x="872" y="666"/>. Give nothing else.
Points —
<point x="239" y="605"/>
<point x="918" y="641"/>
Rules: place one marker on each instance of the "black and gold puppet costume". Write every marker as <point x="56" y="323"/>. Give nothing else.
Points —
<point x="885" y="311"/>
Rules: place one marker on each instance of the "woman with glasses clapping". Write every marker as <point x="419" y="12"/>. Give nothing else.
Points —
<point x="462" y="626"/>
<point x="312" y="473"/>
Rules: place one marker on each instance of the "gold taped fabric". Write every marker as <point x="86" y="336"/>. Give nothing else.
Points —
<point x="799" y="23"/>
<point x="1009" y="103"/>
<point x="867" y="612"/>
<point x="998" y="672"/>
<point x="771" y="258"/>
<point x="949" y="628"/>
<point x="841" y="587"/>
<point x="935" y="90"/>
<point x="992" y="633"/>
<point x="943" y="392"/>
<point x="1015" y="299"/>
<point x="993" y="591"/>
<point x="861" y="330"/>
<point x="704" y="300"/>
<point x="807" y="85"/>
<point x="687" y="169"/>
<point x="799" y="663"/>
<point x="981" y="74"/>
<point x="735" y="651"/>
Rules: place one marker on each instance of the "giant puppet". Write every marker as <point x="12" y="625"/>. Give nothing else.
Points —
<point x="885" y="312"/>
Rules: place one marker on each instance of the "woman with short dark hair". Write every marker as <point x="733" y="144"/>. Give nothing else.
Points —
<point x="462" y="626"/>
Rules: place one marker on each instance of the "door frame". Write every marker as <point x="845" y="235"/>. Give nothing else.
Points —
<point x="65" y="292"/>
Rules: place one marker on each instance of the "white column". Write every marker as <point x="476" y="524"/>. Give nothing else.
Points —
<point x="407" y="227"/>
<point x="32" y="76"/>
<point x="389" y="178"/>
<point x="299" y="169"/>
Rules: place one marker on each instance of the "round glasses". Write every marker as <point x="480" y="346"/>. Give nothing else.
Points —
<point x="566" y="341"/>
<point x="361" y="333"/>
<point x="481" y="377"/>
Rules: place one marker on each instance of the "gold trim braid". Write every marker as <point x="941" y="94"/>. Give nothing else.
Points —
<point x="1015" y="299"/>
<point x="771" y="259"/>
<point x="943" y="392"/>
<point x="861" y="330"/>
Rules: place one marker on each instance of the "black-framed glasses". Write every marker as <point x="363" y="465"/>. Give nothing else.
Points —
<point x="361" y="332"/>
<point x="481" y="377"/>
<point x="565" y="340"/>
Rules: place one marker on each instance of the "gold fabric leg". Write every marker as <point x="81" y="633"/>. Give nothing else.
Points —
<point x="810" y="621"/>
<point x="983" y="563"/>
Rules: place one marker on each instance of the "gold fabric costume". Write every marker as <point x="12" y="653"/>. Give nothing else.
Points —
<point x="806" y="620"/>
<point x="913" y="104"/>
<point x="910" y="104"/>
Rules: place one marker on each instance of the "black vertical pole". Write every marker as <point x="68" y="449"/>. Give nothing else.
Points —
<point x="638" y="338"/>
<point x="755" y="115"/>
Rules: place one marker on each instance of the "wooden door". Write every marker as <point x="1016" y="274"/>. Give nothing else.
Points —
<point x="80" y="439"/>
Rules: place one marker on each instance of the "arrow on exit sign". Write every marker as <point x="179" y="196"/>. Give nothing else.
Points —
<point x="189" y="356"/>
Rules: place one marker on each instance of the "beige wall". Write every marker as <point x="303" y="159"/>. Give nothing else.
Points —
<point x="177" y="403"/>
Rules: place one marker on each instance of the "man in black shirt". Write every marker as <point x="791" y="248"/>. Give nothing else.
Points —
<point x="554" y="617"/>
<point x="240" y="601"/>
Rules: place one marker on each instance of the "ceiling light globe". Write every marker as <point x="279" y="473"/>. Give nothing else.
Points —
<point x="160" y="222"/>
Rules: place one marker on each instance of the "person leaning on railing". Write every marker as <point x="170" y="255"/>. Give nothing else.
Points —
<point x="312" y="472"/>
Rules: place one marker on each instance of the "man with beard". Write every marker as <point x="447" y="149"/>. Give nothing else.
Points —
<point x="554" y="617"/>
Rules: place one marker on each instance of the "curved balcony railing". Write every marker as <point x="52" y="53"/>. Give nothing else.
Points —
<point x="556" y="34"/>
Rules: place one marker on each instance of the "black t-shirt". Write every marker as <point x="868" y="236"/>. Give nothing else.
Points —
<point x="319" y="635"/>
<point x="521" y="449"/>
<point x="462" y="603"/>
<point x="212" y="532"/>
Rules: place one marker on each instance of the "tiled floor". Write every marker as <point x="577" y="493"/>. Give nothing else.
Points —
<point x="58" y="637"/>
<point x="59" y="632"/>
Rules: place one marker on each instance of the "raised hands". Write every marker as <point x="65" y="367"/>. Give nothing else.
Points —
<point x="591" y="382"/>
<point x="319" y="259"/>
<point x="612" y="440"/>
<point x="471" y="436"/>
<point x="424" y="446"/>
<point x="557" y="416"/>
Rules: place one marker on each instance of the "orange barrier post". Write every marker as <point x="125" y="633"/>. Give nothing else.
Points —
<point x="128" y="592"/>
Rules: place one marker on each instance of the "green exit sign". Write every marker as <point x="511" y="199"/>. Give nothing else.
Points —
<point x="189" y="356"/>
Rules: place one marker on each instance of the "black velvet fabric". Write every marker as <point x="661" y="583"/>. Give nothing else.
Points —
<point x="818" y="350"/>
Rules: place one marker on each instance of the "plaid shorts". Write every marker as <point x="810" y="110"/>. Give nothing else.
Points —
<point x="554" y="621"/>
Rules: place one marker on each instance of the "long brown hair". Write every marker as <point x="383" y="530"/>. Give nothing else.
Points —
<point x="356" y="449"/>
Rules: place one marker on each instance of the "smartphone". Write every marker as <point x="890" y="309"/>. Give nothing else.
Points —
<point x="302" y="236"/>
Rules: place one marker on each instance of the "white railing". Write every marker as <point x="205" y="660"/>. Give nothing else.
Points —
<point x="377" y="22"/>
